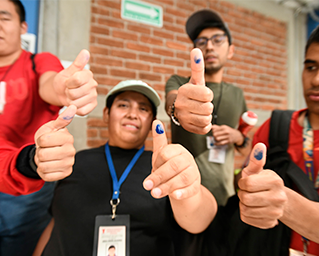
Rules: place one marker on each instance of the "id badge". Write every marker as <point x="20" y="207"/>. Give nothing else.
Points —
<point x="112" y="236"/>
<point x="293" y="252"/>
<point x="217" y="154"/>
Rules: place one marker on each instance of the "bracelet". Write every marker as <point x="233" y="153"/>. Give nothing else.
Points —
<point x="244" y="144"/>
<point x="31" y="159"/>
<point x="174" y="119"/>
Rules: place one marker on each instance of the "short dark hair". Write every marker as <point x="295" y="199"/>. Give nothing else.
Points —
<point x="20" y="9"/>
<point x="111" y="247"/>
<point x="313" y="38"/>
<point x="112" y="97"/>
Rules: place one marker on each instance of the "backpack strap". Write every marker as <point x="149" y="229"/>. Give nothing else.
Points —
<point x="33" y="63"/>
<point x="279" y="129"/>
<point x="278" y="155"/>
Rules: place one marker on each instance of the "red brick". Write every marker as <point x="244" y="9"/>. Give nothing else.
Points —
<point x="98" y="69"/>
<point x="162" y="34"/>
<point x="110" y="42"/>
<point x="138" y="47"/>
<point x="139" y="28"/>
<point x="123" y="73"/>
<point x="185" y="6"/>
<point x="159" y="87"/>
<point x="100" y="30"/>
<point x="110" y="23"/>
<point x="137" y="66"/>
<point x="91" y="133"/>
<point x="173" y="62"/>
<point x="109" y="61"/>
<point x="178" y="29"/>
<point x="233" y="72"/>
<point x="149" y="77"/>
<point x="242" y="81"/>
<point x="98" y="50"/>
<point x="151" y="40"/>
<point x="116" y="14"/>
<point x="123" y="54"/>
<point x="125" y="35"/>
<point x="199" y="3"/>
<point x="95" y="122"/>
<point x="176" y="46"/>
<point x="163" y="70"/>
<point x="110" y="3"/>
<point x="163" y="52"/>
<point x="102" y="90"/>
<point x="168" y="19"/>
<point x="175" y="12"/>
<point x="109" y="81"/>
<point x="184" y="56"/>
<point x="162" y="2"/>
<point x="100" y="11"/>
<point x="149" y="58"/>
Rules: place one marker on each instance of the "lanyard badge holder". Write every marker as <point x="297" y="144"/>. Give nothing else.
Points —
<point x="113" y="231"/>
<point x="309" y="167"/>
<point x="216" y="154"/>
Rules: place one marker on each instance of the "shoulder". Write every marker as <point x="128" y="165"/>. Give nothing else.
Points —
<point x="87" y="153"/>
<point x="46" y="61"/>
<point x="262" y="134"/>
<point x="233" y="88"/>
<point x="46" y="55"/>
<point x="147" y="154"/>
<point x="177" y="80"/>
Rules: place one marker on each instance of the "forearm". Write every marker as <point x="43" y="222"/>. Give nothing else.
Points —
<point x="301" y="215"/>
<point x="47" y="91"/>
<point x="196" y="213"/>
<point x="44" y="239"/>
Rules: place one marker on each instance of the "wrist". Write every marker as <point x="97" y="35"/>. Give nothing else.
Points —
<point x="31" y="159"/>
<point x="172" y="114"/>
<point x="244" y="143"/>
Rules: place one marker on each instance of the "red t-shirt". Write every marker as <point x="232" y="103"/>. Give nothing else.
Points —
<point x="24" y="112"/>
<point x="295" y="150"/>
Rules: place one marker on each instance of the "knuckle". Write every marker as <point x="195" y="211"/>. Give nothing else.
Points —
<point x="40" y="154"/>
<point x="245" y="199"/>
<point x="184" y="177"/>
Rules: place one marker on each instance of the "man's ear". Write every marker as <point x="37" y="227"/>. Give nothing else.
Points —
<point x="106" y="114"/>
<point x="231" y="51"/>
<point x="24" y="27"/>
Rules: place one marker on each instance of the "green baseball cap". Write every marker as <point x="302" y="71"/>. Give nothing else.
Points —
<point x="136" y="86"/>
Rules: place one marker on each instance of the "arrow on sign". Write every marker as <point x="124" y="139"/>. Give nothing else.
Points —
<point x="142" y="10"/>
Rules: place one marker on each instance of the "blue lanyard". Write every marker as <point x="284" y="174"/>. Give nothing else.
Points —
<point x="117" y="184"/>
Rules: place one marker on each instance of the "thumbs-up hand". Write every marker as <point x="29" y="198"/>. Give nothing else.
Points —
<point x="261" y="192"/>
<point x="193" y="105"/>
<point x="54" y="147"/>
<point x="174" y="172"/>
<point x="76" y="86"/>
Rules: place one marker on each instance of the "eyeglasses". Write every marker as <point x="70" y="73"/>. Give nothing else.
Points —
<point x="216" y="40"/>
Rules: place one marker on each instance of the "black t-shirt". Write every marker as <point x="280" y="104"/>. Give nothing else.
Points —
<point x="87" y="193"/>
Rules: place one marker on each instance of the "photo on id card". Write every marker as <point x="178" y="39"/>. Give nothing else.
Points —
<point x="111" y="241"/>
<point x="111" y="236"/>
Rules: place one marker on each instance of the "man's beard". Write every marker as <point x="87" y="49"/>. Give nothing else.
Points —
<point x="212" y="70"/>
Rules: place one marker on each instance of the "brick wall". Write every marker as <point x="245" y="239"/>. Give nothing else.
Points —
<point x="124" y="49"/>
